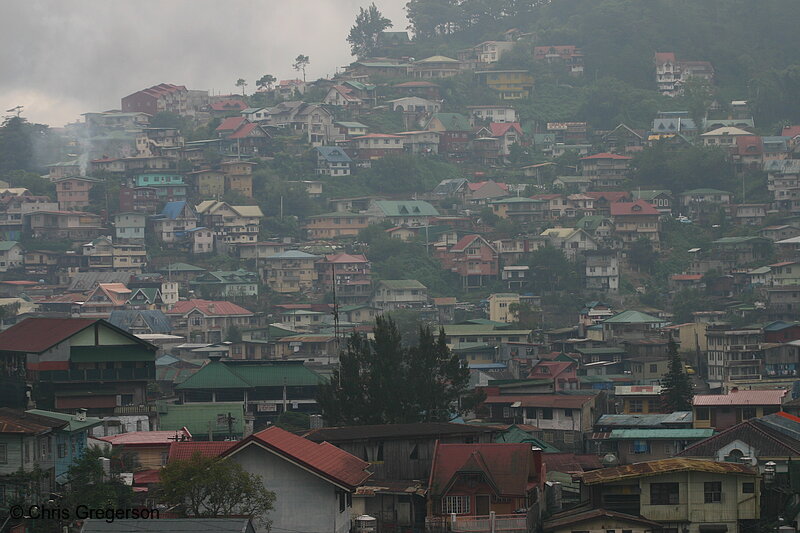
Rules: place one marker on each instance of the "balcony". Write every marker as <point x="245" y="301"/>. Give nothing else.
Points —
<point x="123" y="410"/>
<point x="477" y="524"/>
<point x="98" y="374"/>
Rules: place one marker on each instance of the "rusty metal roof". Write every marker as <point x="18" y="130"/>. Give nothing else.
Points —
<point x="663" y="466"/>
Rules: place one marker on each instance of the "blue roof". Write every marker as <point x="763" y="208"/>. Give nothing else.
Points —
<point x="156" y="320"/>
<point x="173" y="209"/>
<point x="779" y="325"/>
<point x="333" y="154"/>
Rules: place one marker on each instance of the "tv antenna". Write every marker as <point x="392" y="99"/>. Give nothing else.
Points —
<point x="17" y="110"/>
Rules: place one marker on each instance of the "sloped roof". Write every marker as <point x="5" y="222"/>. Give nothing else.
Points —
<point x="169" y="525"/>
<point x="438" y="59"/>
<point x="399" y="208"/>
<point x="499" y="129"/>
<point x="208" y="308"/>
<point x="229" y="375"/>
<point x="7" y="245"/>
<point x="660" y="433"/>
<point x="571" y="517"/>
<point x="325" y="459"/>
<point x="173" y="210"/>
<point x="452" y="121"/>
<point x="144" y="438"/>
<point x="633" y="317"/>
<point x="645" y="420"/>
<point x="563" y="401"/>
<point x="181" y="451"/>
<point x="401" y="284"/>
<point x="728" y="130"/>
<point x="766" y="439"/>
<point x="387" y="431"/>
<point x="638" y="207"/>
<point x="73" y="422"/>
<point x="333" y="154"/>
<point x="24" y="423"/>
<point x="36" y="335"/>
<point x="607" y="155"/>
<point x="155" y="319"/>
<point x="506" y="466"/>
<point x="742" y="397"/>
<point x="663" y="466"/>
<point x="231" y="124"/>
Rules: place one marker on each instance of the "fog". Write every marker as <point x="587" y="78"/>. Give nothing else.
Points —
<point x="63" y="58"/>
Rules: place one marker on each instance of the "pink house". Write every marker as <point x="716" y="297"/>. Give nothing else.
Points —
<point x="73" y="193"/>
<point x="562" y="374"/>
<point x="473" y="259"/>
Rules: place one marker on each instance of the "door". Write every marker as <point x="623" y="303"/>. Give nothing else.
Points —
<point x="482" y="505"/>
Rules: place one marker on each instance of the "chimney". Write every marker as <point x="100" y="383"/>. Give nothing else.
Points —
<point x="212" y="308"/>
<point x="80" y="415"/>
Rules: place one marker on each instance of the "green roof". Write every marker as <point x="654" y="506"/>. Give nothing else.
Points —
<point x="477" y="329"/>
<point x="74" y="424"/>
<point x="199" y="417"/>
<point x="515" y="435"/>
<point x="739" y="240"/>
<point x="633" y="317"/>
<point x="182" y="267"/>
<point x="7" y="245"/>
<point x="590" y="222"/>
<point x="438" y="59"/>
<point x="399" y="208"/>
<point x="100" y="354"/>
<point x="705" y="191"/>
<point x="599" y="351"/>
<point x="453" y="121"/>
<point x="351" y="124"/>
<point x="650" y="434"/>
<point x="401" y="284"/>
<point x="219" y="375"/>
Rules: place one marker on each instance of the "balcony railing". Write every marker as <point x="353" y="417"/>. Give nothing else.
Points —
<point x="477" y="524"/>
<point x="99" y="374"/>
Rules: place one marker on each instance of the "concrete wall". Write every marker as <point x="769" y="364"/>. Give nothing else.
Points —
<point x="304" y="501"/>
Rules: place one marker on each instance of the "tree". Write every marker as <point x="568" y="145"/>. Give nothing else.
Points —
<point x="381" y="381"/>
<point x="212" y="487"/>
<point x="364" y="34"/>
<point x="641" y="255"/>
<point x="265" y="82"/>
<point x="241" y="83"/>
<point x="88" y="483"/>
<point x="300" y="63"/>
<point x="676" y="387"/>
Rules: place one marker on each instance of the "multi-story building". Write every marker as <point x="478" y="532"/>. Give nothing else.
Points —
<point x="332" y="161"/>
<point x="232" y="224"/>
<point x="169" y="187"/>
<point x="455" y="133"/>
<point x="509" y="84"/>
<point x="721" y="411"/>
<point x="238" y="177"/>
<point x="76" y="363"/>
<point x="73" y="192"/>
<point x="72" y="225"/>
<point x="606" y="170"/>
<point x="175" y="219"/>
<point x="336" y="225"/>
<point x="163" y="97"/>
<point x="684" y="494"/>
<point x="130" y="227"/>
<point x="349" y="274"/>
<point x="392" y="294"/>
<point x="602" y="270"/>
<point x="568" y="55"/>
<point x="207" y="321"/>
<point x="672" y="74"/>
<point x="635" y="220"/>
<point x="374" y="146"/>
<point x="226" y="284"/>
<point x="292" y="271"/>
<point x="473" y="258"/>
<point x="501" y="307"/>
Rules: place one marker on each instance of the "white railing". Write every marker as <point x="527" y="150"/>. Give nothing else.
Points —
<point x="492" y="523"/>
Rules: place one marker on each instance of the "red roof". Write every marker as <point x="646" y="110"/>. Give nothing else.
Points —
<point x="478" y="185"/>
<point x="35" y="335"/>
<point x="563" y="401"/>
<point x="606" y="155"/>
<point x="555" y="368"/>
<point x="228" y="105"/>
<point x="665" y="57"/>
<point x="208" y="308"/>
<point x="416" y="84"/>
<point x="243" y="132"/>
<point x="506" y="466"/>
<point x="742" y="397"/>
<point x="181" y="451"/>
<point x="464" y="242"/>
<point x="325" y="459"/>
<point x="609" y="196"/>
<point x="19" y="282"/>
<point x="639" y="207"/>
<point x="568" y="463"/>
<point x="686" y="277"/>
<point x="231" y="124"/>
<point x="146" y="438"/>
<point x="499" y="129"/>
<point x="147" y="477"/>
<point x="346" y="258"/>
<point x="791" y="131"/>
<point x="749" y="145"/>
<point x="378" y="136"/>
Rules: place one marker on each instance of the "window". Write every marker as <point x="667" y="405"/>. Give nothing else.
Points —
<point x="62" y="450"/>
<point x="455" y="504"/>
<point x="4" y="454"/>
<point x="547" y="413"/>
<point x="663" y="494"/>
<point x="506" y="412"/>
<point x="712" y="492"/>
<point x="568" y="413"/>
<point x="702" y="413"/>
<point x="531" y="412"/>
<point x="748" y="488"/>
<point x="654" y="368"/>
<point x="635" y="406"/>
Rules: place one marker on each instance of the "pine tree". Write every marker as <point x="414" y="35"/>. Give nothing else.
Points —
<point x="382" y="382"/>
<point x="676" y="387"/>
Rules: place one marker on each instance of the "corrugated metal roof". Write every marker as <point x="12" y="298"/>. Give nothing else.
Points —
<point x="663" y="466"/>
<point x="226" y="375"/>
<point x="654" y="434"/>
<point x="35" y="335"/>
<point x="564" y="401"/>
<point x="742" y="397"/>
<point x="508" y="466"/>
<point x="325" y="459"/>
<point x="181" y="451"/>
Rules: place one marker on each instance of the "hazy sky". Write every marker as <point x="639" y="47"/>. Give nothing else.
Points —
<point x="61" y="58"/>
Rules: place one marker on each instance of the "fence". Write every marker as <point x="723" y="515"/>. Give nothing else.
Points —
<point x="493" y="523"/>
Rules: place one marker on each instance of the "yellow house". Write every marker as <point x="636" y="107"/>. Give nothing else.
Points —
<point x="639" y="399"/>
<point x="208" y="183"/>
<point x="239" y="177"/>
<point x="499" y="307"/>
<point x="510" y="84"/>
